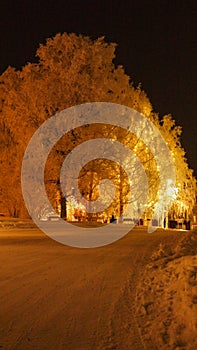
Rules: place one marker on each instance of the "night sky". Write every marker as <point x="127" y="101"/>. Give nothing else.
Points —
<point x="156" y="46"/>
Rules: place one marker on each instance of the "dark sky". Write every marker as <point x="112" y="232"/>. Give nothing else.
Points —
<point x="156" y="45"/>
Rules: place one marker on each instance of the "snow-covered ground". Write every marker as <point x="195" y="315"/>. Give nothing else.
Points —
<point x="166" y="299"/>
<point x="137" y="293"/>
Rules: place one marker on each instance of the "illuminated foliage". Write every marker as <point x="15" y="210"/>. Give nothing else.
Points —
<point x="72" y="70"/>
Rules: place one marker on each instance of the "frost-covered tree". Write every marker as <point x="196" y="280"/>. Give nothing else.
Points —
<point x="74" y="69"/>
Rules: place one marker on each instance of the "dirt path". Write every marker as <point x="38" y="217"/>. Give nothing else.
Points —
<point x="58" y="297"/>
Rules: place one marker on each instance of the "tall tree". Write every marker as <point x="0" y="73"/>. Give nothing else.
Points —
<point x="73" y="69"/>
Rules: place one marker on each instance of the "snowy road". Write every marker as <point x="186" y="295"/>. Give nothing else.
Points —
<point x="55" y="297"/>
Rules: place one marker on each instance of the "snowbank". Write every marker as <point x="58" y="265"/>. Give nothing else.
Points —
<point x="9" y="223"/>
<point x="166" y="300"/>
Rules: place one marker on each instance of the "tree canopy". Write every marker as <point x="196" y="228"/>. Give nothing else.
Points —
<point x="74" y="69"/>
